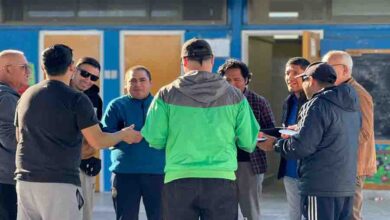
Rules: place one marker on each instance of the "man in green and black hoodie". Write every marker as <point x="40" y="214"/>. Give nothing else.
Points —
<point x="198" y="119"/>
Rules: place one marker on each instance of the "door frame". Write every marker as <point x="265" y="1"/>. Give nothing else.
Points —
<point x="124" y="33"/>
<point x="42" y="35"/>
<point x="260" y="33"/>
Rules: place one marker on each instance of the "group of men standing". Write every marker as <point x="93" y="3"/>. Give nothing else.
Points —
<point x="334" y="144"/>
<point x="191" y="151"/>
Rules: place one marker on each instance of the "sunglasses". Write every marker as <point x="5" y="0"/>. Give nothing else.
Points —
<point x="305" y="77"/>
<point x="87" y="74"/>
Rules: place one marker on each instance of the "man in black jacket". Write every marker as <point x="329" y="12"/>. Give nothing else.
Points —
<point x="326" y="145"/>
<point x="294" y="101"/>
<point x="83" y="80"/>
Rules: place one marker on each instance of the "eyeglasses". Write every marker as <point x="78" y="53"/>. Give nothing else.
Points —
<point x="87" y="74"/>
<point x="25" y="66"/>
<point x="338" y="64"/>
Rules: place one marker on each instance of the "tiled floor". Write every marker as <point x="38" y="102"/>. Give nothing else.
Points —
<point x="274" y="205"/>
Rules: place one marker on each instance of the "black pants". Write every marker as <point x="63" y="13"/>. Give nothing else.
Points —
<point x="194" y="198"/>
<point x="326" y="208"/>
<point x="127" y="190"/>
<point x="8" y="202"/>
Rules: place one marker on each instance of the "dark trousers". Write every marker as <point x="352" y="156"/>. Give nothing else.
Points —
<point x="8" y="202"/>
<point x="127" y="190"/>
<point x="194" y="198"/>
<point x="326" y="208"/>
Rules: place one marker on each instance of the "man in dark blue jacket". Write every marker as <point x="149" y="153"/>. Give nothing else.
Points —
<point x="326" y="145"/>
<point x="291" y="105"/>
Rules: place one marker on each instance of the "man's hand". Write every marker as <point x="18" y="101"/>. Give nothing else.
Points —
<point x="291" y="127"/>
<point x="130" y="135"/>
<point x="268" y="144"/>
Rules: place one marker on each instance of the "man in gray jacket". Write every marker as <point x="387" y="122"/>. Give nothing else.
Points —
<point x="14" y="72"/>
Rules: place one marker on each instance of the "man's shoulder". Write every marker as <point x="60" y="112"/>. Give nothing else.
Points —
<point x="314" y="102"/>
<point x="6" y="91"/>
<point x="360" y="90"/>
<point x="249" y="94"/>
<point x="167" y="89"/>
<point x="168" y="92"/>
<point x="121" y="100"/>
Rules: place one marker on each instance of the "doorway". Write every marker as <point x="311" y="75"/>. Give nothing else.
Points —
<point x="266" y="53"/>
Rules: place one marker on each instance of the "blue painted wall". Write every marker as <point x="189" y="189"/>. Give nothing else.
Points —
<point x="341" y="37"/>
<point x="24" y="40"/>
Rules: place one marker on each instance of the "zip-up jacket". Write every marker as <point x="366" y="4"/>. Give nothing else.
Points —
<point x="131" y="158"/>
<point x="326" y="143"/>
<point x="8" y="101"/>
<point x="198" y="119"/>
<point x="285" y="112"/>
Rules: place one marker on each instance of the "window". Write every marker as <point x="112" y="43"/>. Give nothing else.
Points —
<point x="318" y="11"/>
<point x="114" y="11"/>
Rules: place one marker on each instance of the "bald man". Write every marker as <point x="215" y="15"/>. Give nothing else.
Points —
<point x="14" y="73"/>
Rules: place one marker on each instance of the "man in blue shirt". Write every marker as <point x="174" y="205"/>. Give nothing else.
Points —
<point x="291" y="106"/>
<point x="137" y="168"/>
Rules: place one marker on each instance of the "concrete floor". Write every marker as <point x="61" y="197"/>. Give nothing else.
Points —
<point x="274" y="205"/>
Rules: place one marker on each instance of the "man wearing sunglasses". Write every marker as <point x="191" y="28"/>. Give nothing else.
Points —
<point x="14" y="73"/>
<point x="366" y="165"/>
<point x="83" y="80"/>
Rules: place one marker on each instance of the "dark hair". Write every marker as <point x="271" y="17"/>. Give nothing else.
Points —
<point x="199" y="59"/>
<point x="197" y="50"/>
<point x="56" y="59"/>
<point x="299" y="61"/>
<point x="90" y="61"/>
<point x="233" y="63"/>
<point x="140" y="67"/>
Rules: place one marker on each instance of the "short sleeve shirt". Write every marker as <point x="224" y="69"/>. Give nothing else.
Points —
<point x="49" y="119"/>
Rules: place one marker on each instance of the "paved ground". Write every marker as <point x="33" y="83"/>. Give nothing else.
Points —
<point x="274" y="205"/>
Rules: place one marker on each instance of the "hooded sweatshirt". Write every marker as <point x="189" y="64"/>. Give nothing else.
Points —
<point x="326" y="143"/>
<point x="8" y="101"/>
<point x="198" y="119"/>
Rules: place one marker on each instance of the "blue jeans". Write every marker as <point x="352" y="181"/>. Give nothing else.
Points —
<point x="127" y="190"/>
<point x="293" y="197"/>
<point x="194" y="198"/>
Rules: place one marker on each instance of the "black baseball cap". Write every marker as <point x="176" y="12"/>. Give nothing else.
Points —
<point x="196" y="48"/>
<point x="320" y="71"/>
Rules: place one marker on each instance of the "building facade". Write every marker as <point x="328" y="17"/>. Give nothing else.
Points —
<point x="263" y="33"/>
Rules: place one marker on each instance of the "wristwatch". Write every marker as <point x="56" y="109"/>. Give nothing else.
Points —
<point x="276" y="144"/>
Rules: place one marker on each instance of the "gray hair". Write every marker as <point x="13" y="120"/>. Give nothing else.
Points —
<point x="346" y="59"/>
<point x="11" y="52"/>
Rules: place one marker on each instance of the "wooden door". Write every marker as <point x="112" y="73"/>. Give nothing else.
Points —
<point x="160" y="53"/>
<point x="311" y="46"/>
